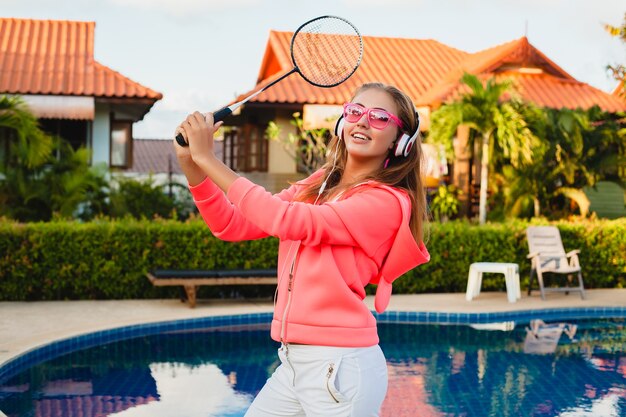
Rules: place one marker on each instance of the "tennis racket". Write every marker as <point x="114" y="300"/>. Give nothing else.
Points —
<point x="325" y="51"/>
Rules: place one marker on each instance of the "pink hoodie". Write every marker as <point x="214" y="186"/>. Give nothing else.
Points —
<point x="327" y="254"/>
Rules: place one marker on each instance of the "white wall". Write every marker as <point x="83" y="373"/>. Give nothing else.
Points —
<point x="101" y="134"/>
<point x="160" y="178"/>
<point x="279" y="161"/>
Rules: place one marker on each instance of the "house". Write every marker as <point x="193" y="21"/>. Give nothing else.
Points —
<point x="156" y="159"/>
<point x="51" y="65"/>
<point x="428" y="70"/>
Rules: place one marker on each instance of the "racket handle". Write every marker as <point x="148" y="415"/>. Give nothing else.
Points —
<point x="218" y="116"/>
<point x="221" y="114"/>
<point x="181" y="140"/>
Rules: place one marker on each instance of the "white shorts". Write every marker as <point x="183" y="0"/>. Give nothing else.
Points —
<point x="324" y="381"/>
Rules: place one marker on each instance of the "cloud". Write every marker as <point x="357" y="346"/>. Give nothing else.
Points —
<point x="182" y="8"/>
<point x="191" y="391"/>
<point x="377" y="3"/>
<point x="172" y="109"/>
<point x="187" y="100"/>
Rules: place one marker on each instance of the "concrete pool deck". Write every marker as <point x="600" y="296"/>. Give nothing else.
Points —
<point x="28" y="325"/>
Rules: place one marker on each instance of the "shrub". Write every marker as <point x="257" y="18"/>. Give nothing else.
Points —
<point x="109" y="259"/>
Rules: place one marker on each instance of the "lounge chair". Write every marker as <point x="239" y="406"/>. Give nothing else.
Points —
<point x="548" y="256"/>
<point x="542" y="338"/>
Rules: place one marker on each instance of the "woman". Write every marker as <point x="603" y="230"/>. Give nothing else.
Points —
<point x="358" y="220"/>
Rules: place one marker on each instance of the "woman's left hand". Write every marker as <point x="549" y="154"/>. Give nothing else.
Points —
<point x="199" y="130"/>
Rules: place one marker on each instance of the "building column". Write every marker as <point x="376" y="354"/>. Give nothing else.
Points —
<point x="101" y="135"/>
<point x="461" y="168"/>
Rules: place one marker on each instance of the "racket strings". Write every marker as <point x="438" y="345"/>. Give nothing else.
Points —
<point x="327" y="51"/>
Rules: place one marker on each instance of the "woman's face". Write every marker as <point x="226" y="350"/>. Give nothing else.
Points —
<point x="365" y="143"/>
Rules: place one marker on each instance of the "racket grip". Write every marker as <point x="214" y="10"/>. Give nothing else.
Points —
<point x="221" y="114"/>
<point x="218" y="116"/>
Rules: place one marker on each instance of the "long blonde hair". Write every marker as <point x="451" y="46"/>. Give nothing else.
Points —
<point x="402" y="172"/>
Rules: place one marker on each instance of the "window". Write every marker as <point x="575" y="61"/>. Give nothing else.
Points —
<point x="76" y="132"/>
<point x="121" y="144"/>
<point x="246" y="149"/>
<point x="5" y="141"/>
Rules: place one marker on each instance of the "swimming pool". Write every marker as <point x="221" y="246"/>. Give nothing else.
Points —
<point x="561" y="362"/>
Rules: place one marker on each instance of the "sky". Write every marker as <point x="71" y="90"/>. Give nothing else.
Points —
<point x="200" y="54"/>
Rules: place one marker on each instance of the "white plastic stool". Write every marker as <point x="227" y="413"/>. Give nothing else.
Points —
<point x="511" y="278"/>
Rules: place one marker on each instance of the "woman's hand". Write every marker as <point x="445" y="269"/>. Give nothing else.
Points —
<point x="182" y="152"/>
<point x="198" y="130"/>
<point x="198" y="160"/>
<point x="198" y="133"/>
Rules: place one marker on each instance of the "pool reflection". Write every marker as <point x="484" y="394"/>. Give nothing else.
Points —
<point x="503" y="369"/>
<point x="463" y="371"/>
<point x="208" y="372"/>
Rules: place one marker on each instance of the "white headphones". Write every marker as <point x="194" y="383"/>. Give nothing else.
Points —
<point x="403" y="145"/>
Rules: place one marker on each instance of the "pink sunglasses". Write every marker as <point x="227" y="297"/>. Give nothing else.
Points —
<point x="377" y="118"/>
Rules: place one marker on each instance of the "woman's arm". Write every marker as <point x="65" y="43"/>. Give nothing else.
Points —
<point x="222" y="217"/>
<point x="218" y="213"/>
<point x="366" y="219"/>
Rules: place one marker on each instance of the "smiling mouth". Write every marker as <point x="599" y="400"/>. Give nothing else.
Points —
<point x="361" y="137"/>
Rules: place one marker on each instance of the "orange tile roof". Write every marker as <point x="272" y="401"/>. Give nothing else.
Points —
<point x="412" y="65"/>
<point x="518" y="52"/>
<point x="90" y="405"/>
<point x="110" y="83"/>
<point x="407" y="394"/>
<point x="548" y="91"/>
<point x="620" y="89"/>
<point x="544" y="90"/>
<point x="57" y="57"/>
<point x="429" y="72"/>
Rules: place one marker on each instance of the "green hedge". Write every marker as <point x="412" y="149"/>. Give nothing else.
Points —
<point x="454" y="246"/>
<point x="108" y="260"/>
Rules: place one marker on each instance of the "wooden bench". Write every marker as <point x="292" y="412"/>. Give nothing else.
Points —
<point x="191" y="279"/>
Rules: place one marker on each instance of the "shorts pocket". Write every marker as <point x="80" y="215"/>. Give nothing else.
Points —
<point x="343" y="379"/>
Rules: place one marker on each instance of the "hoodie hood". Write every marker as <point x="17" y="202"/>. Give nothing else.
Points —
<point x="404" y="255"/>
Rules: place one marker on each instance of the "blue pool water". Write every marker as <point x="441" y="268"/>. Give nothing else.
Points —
<point x="534" y="365"/>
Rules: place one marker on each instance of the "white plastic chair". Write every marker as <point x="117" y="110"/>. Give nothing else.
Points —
<point x="542" y="338"/>
<point x="511" y="279"/>
<point x="547" y="255"/>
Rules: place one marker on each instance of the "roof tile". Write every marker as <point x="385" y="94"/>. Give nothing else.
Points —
<point x="546" y="90"/>
<point x="429" y="72"/>
<point x="57" y="57"/>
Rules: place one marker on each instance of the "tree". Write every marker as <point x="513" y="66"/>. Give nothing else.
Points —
<point x="577" y="148"/>
<point x="618" y="71"/>
<point x="498" y="123"/>
<point x="306" y="147"/>
<point x="144" y="199"/>
<point x="40" y="175"/>
<point x="31" y="146"/>
<point x="445" y="202"/>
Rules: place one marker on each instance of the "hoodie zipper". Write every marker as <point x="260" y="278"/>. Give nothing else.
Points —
<point x="283" y="324"/>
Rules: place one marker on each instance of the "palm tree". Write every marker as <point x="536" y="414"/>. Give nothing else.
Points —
<point x="31" y="145"/>
<point x="498" y="122"/>
<point x="586" y="147"/>
<point x="41" y="175"/>
<point x="577" y="149"/>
